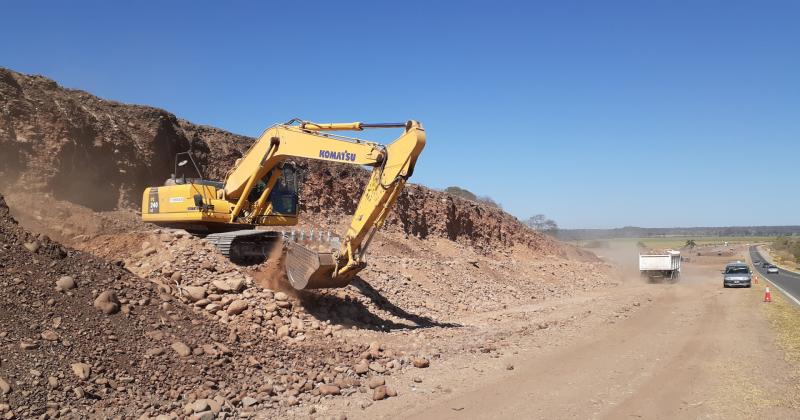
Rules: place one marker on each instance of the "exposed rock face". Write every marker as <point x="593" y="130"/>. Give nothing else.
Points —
<point x="94" y="152"/>
<point x="102" y="154"/>
<point x="5" y="215"/>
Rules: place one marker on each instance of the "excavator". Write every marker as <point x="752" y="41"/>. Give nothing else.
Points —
<point x="240" y="215"/>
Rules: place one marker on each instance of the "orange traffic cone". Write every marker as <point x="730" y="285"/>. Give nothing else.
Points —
<point x="755" y="278"/>
<point x="767" y="295"/>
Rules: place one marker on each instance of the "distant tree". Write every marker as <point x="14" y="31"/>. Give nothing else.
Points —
<point x="460" y="192"/>
<point x="541" y="223"/>
<point x="690" y="243"/>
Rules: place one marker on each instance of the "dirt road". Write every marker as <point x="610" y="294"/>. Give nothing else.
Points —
<point x="685" y="350"/>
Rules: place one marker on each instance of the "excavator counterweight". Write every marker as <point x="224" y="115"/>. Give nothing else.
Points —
<point x="246" y="215"/>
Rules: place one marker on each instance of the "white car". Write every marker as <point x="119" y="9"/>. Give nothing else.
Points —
<point x="772" y="268"/>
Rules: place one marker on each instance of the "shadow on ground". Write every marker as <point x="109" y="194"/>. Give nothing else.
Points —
<point x="352" y="313"/>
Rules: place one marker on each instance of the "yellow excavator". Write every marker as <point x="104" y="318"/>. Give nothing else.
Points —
<point x="261" y="191"/>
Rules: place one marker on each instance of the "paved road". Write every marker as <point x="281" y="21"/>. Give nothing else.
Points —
<point x="786" y="280"/>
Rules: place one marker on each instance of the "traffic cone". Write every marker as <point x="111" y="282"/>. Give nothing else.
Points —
<point x="755" y="278"/>
<point x="767" y="295"/>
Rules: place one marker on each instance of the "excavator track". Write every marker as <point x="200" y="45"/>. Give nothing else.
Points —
<point x="249" y="246"/>
<point x="308" y="260"/>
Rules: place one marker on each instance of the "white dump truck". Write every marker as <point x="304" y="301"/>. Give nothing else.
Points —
<point x="665" y="264"/>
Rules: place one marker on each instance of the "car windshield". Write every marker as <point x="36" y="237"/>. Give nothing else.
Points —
<point x="737" y="270"/>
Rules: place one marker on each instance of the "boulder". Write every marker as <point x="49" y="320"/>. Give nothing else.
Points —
<point x="107" y="302"/>
<point x="182" y="349"/>
<point x="237" y="306"/>
<point x="421" y="363"/>
<point x="66" y="283"/>
<point x="81" y="370"/>
<point x="195" y="293"/>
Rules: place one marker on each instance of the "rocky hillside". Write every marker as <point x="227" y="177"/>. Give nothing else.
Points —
<point x="102" y="154"/>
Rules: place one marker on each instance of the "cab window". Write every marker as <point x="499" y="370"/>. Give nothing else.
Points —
<point x="284" y="196"/>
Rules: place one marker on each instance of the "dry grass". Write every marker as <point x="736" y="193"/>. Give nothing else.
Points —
<point x="738" y="395"/>
<point x="784" y="259"/>
<point x="784" y="316"/>
<point x="676" y="242"/>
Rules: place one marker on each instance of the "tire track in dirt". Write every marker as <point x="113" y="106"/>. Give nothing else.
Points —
<point x="671" y="359"/>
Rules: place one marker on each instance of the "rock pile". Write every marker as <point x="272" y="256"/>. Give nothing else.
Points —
<point x="83" y="337"/>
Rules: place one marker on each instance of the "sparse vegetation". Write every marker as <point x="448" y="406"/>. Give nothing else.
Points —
<point x="732" y="232"/>
<point x="679" y="241"/>
<point x="485" y="199"/>
<point x="461" y="192"/>
<point x="789" y="245"/>
<point x="690" y="243"/>
<point x="596" y="244"/>
<point x="469" y="195"/>
<point x="541" y="223"/>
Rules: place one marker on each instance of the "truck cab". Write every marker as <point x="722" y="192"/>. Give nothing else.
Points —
<point x="736" y="274"/>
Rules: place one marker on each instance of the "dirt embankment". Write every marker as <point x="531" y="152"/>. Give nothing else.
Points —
<point x="101" y="154"/>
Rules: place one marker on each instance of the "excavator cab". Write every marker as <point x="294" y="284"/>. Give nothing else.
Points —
<point x="283" y="197"/>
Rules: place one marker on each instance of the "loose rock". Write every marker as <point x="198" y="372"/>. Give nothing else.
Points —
<point x="379" y="393"/>
<point x="362" y="367"/>
<point x="329" y="390"/>
<point x="49" y="335"/>
<point x="28" y="345"/>
<point x="236" y="307"/>
<point x="81" y="370"/>
<point x="66" y="283"/>
<point x="182" y="349"/>
<point x="195" y="293"/>
<point x="200" y="406"/>
<point x="107" y="302"/>
<point x="375" y="382"/>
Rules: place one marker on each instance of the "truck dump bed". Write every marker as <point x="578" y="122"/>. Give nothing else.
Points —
<point x="667" y="264"/>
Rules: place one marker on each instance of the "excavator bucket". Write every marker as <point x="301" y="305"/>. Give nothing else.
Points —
<point x="311" y="265"/>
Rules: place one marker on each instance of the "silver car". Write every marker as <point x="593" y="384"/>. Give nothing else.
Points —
<point x="736" y="275"/>
<point x="771" y="268"/>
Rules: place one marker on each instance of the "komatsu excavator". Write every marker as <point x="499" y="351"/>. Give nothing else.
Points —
<point x="261" y="190"/>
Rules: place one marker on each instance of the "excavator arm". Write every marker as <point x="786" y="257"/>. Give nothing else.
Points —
<point x="391" y="164"/>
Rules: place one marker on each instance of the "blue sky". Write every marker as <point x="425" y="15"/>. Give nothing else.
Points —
<point x="598" y="114"/>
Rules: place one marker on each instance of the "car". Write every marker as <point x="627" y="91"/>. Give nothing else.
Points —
<point x="757" y="263"/>
<point x="771" y="268"/>
<point x="736" y="274"/>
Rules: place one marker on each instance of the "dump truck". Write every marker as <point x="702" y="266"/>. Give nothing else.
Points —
<point x="246" y="214"/>
<point x="666" y="264"/>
